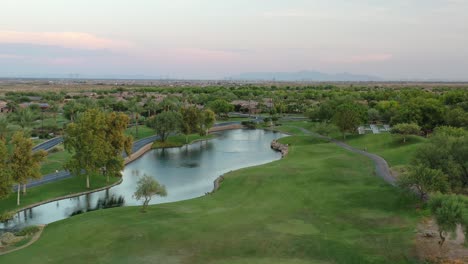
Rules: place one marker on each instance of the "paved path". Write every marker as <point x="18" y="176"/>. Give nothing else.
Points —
<point x="381" y="165"/>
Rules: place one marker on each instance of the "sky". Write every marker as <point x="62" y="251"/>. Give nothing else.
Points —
<point x="213" y="39"/>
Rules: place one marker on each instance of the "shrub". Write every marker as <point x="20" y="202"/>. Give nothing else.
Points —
<point x="56" y="149"/>
<point x="29" y="230"/>
<point x="6" y="216"/>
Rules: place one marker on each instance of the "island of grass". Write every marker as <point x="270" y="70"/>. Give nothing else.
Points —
<point x="321" y="204"/>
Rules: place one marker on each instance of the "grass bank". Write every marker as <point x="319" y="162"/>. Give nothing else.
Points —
<point x="321" y="204"/>
<point x="54" y="189"/>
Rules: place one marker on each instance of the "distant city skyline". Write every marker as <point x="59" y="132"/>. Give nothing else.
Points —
<point x="209" y="39"/>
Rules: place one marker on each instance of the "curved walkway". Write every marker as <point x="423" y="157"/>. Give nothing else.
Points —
<point x="381" y="166"/>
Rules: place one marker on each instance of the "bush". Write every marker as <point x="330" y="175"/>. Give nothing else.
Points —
<point x="249" y="124"/>
<point x="6" y="216"/>
<point x="29" y="230"/>
<point x="56" y="149"/>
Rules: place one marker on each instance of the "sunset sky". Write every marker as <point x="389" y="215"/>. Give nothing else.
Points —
<point x="210" y="39"/>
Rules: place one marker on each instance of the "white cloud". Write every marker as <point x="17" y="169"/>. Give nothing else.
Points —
<point x="77" y="40"/>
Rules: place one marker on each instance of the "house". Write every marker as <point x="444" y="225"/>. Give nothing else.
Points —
<point x="245" y="106"/>
<point x="3" y="107"/>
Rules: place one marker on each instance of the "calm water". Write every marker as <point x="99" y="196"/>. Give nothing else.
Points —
<point x="187" y="172"/>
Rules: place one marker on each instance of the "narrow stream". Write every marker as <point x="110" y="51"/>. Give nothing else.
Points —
<point x="187" y="172"/>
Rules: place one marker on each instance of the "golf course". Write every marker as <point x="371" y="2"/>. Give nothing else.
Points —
<point x="319" y="204"/>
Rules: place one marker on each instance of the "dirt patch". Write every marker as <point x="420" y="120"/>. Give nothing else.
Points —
<point x="427" y="244"/>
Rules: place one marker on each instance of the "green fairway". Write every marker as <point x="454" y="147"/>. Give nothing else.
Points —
<point x="53" y="190"/>
<point x="321" y="204"/>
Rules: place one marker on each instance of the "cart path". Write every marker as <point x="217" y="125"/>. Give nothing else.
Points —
<point x="381" y="166"/>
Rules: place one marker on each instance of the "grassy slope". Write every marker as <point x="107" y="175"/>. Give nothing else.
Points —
<point x="143" y="132"/>
<point x="388" y="146"/>
<point x="55" y="161"/>
<point x="52" y="190"/>
<point x="321" y="204"/>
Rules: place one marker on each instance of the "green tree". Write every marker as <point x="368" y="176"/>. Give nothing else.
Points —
<point x="117" y="142"/>
<point x="206" y="121"/>
<point x="347" y="118"/>
<point x="190" y="120"/>
<point x="72" y="109"/>
<point x="136" y="109"/>
<point x="456" y="117"/>
<point x="165" y="123"/>
<point x="221" y="107"/>
<point x="373" y="115"/>
<point x="447" y="150"/>
<point x="5" y="172"/>
<point x="449" y="211"/>
<point x="4" y="130"/>
<point x="24" y="164"/>
<point x="424" y="180"/>
<point x="405" y="129"/>
<point x="324" y="128"/>
<point x="24" y="117"/>
<point x="86" y="140"/>
<point x="147" y="187"/>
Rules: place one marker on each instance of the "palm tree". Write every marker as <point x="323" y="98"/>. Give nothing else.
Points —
<point x="135" y="107"/>
<point x="24" y="117"/>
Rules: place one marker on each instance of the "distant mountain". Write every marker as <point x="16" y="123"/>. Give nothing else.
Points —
<point x="303" y="76"/>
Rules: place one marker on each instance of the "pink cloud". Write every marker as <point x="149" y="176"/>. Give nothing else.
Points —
<point x="64" y="39"/>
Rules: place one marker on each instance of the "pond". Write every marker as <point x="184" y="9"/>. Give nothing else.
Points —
<point x="187" y="172"/>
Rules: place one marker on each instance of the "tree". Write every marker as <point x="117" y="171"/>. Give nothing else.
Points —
<point x="325" y="128"/>
<point x="165" y="123"/>
<point x="86" y="139"/>
<point x="147" y="187"/>
<point x="405" y="129"/>
<point x="117" y="141"/>
<point x="347" y="118"/>
<point x="207" y="120"/>
<point x="5" y="172"/>
<point x="424" y="180"/>
<point x="4" y="130"/>
<point x="449" y="212"/>
<point x="190" y="120"/>
<point x="456" y="117"/>
<point x="72" y="109"/>
<point x="221" y="107"/>
<point x="135" y="107"/>
<point x="373" y="115"/>
<point x="24" y="164"/>
<point x="24" y="117"/>
<point x="447" y="150"/>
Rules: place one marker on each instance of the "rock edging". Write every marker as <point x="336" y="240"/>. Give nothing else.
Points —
<point x="283" y="148"/>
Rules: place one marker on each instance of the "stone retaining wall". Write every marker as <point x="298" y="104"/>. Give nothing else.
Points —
<point x="283" y="148"/>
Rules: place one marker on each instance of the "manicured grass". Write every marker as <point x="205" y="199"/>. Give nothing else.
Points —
<point x="180" y="140"/>
<point x="52" y="190"/>
<point x="55" y="161"/>
<point x="143" y="132"/>
<point x="388" y="146"/>
<point x="321" y="204"/>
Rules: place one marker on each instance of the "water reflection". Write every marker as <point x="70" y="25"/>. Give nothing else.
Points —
<point x="187" y="172"/>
